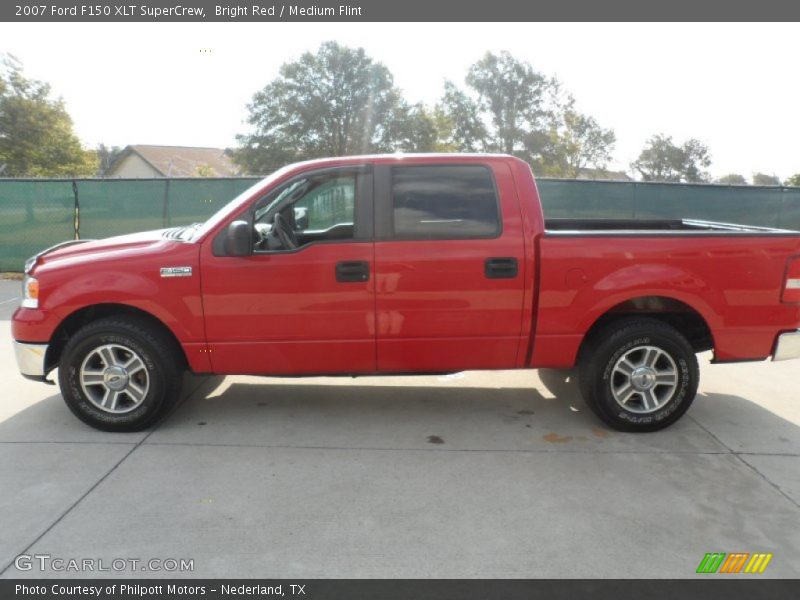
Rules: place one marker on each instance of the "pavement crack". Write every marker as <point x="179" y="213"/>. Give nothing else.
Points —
<point x="739" y="456"/>
<point x="90" y="490"/>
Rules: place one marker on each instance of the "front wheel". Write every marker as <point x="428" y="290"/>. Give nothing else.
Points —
<point x="120" y="374"/>
<point x="639" y="375"/>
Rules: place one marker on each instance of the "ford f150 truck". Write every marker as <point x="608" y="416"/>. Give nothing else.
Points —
<point x="406" y="264"/>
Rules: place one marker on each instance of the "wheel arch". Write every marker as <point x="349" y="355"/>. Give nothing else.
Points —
<point x="88" y="314"/>
<point x="685" y="318"/>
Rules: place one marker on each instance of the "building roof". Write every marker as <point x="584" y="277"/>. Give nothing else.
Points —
<point x="181" y="161"/>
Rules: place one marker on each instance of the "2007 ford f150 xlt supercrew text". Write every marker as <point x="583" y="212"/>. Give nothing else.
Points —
<point x="406" y="264"/>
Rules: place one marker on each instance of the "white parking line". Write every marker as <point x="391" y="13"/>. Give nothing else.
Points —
<point x="14" y="299"/>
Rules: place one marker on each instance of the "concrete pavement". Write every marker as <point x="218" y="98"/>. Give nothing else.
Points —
<point x="471" y="475"/>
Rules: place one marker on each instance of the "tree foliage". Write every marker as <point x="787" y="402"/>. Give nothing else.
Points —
<point x="575" y="142"/>
<point x="765" y="179"/>
<point x="334" y="102"/>
<point x="794" y="180"/>
<point x="464" y="129"/>
<point x="516" y="98"/>
<point x="663" y="160"/>
<point x="36" y="135"/>
<point x="106" y="156"/>
<point x="732" y="179"/>
<point x="510" y="107"/>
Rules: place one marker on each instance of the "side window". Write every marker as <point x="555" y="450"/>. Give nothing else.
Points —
<point x="331" y="203"/>
<point x="313" y="209"/>
<point x="444" y="202"/>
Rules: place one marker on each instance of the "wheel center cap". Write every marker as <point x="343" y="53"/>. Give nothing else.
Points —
<point x="643" y="378"/>
<point x="115" y="378"/>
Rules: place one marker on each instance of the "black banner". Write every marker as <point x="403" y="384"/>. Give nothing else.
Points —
<point x="403" y="589"/>
<point x="403" y="10"/>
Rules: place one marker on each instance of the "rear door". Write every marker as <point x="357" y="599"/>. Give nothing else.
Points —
<point x="449" y="267"/>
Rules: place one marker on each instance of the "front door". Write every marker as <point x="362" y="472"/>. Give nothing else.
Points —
<point x="303" y="303"/>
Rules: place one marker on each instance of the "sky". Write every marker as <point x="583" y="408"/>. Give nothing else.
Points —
<point x="732" y="86"/>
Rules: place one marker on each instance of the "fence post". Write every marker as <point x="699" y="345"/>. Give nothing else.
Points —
<point x="76" y="219"/>
<point x="779" y="217"/>
<point x="165" y="218"/>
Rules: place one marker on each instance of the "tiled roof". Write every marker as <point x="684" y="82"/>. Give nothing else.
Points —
<point x="183" y="161"/>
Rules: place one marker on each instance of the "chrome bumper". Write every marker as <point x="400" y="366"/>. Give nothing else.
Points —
<point x="30" y="359"/>
<point x="787" y="346"/>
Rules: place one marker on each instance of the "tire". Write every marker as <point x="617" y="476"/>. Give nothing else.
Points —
<point x="109" y="353"/>
<point x="638" y="374"/>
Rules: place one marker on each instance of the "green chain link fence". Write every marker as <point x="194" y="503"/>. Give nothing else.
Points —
<point x="36" y="213"/>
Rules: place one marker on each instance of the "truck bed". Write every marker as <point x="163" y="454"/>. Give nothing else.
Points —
<point x="653" y="226"/>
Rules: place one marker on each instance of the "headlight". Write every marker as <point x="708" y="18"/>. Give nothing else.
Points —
<point x="30" y="292"/>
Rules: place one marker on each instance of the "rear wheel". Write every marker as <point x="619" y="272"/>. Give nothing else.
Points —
<point x="639" y="374"/>
<point x="120" y="374"/>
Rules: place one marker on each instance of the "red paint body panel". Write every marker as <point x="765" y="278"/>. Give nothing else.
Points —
<point x="733" y="282"/>
<point x="122" y="270"/>
<point x="286" y="313"/>
<point x="427" y="305"/>
<point x="436" y="309"/>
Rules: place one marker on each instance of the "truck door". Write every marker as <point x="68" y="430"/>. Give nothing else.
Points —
<point x="448" y="266"/>
<point x="303" y="310"/>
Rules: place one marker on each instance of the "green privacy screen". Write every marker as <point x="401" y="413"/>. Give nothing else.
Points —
<point x="36" y="213"/>
<point x="33" y="214"/>
<point x="745" y="205"/>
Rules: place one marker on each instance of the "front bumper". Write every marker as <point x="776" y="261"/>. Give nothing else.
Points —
<point x="31" y="359"/>
<point x="787" y="346"/>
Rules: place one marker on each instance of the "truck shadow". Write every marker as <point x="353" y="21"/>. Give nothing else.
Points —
<point x="548" y="414"/>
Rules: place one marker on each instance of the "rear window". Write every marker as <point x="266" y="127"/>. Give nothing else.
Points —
<point x="452" y="202"/>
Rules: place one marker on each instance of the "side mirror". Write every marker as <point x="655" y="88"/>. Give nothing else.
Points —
<point x="239" y="239"/>
<point x="301" y="217"/>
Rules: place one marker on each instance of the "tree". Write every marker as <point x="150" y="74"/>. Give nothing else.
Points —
<point x="510" y="107"/>
<point x="794" y="180"/>
<point x="106" y="156"/>
<point x="575" y="142"/>
<point x="36" y="135"/>
<point x="663" y="160"/>
<point x="764" y="179"/>
<point x="335" y="102"/>
<point x="463" y="129"/>
<point x="732" y="179"/>
<point x="413" y="129"/>
<point x="509" y="100"/>
<point x="203" y="170"/>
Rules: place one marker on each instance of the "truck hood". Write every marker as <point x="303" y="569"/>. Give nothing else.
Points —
<point x="122" y="245"/>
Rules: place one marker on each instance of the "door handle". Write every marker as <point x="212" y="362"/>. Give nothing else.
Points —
<point x="352" y="271"/>
<point x="500" y="268"/>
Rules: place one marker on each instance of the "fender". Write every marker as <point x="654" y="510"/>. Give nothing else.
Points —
<point x="131" y="278"/>
<point x="652" y="279"/>
<point x="569" y="306"/>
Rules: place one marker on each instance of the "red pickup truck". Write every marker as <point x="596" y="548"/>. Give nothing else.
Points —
<point x="406" y="264"/>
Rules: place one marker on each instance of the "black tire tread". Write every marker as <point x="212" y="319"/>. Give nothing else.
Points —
<point x="609" y="337"/>
<point x="160" y="343"/>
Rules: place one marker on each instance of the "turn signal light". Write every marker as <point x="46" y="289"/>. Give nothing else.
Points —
<point x="30" y="293"/>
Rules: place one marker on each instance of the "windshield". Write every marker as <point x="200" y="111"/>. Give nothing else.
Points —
<point x="236" y="203"/>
